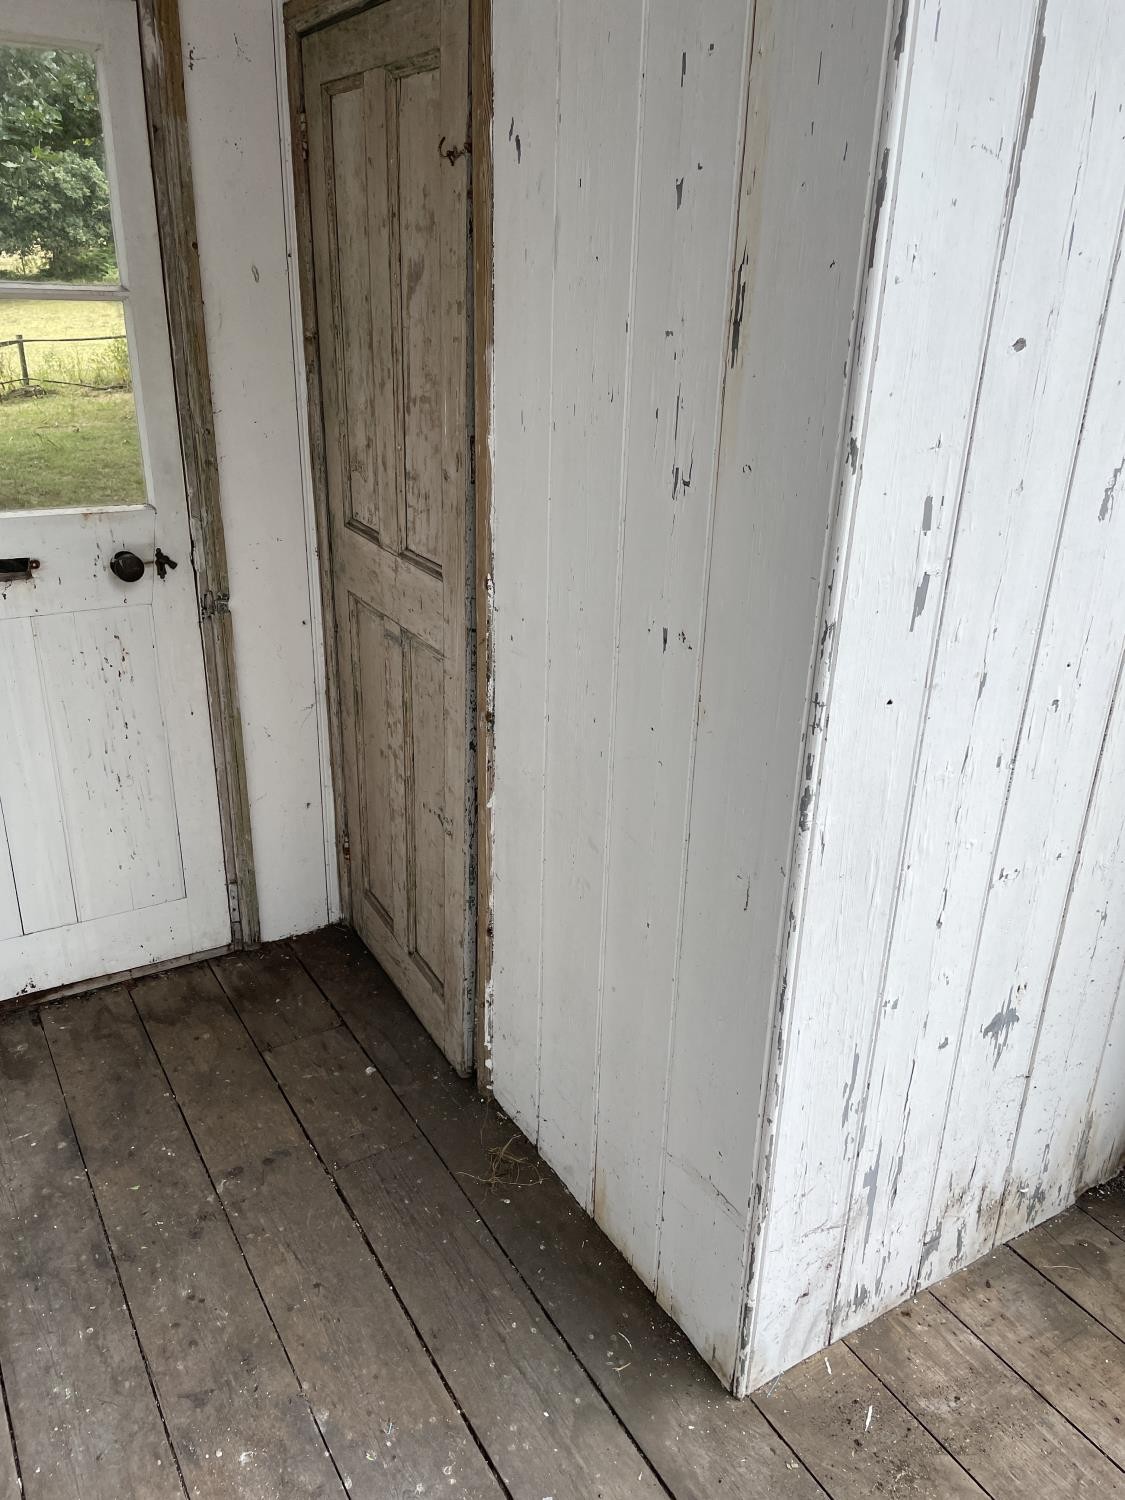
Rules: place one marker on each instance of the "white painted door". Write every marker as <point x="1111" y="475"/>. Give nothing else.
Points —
<point x="387" y="102"/>
<point x="110" y="846"/>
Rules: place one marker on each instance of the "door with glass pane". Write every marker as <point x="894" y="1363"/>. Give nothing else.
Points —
<point x="110" y="846"/>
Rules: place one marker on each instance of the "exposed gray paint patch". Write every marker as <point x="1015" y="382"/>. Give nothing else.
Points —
<point x="1031" y="96"/>
<point x="1106" y="509"/>
<point x="880" y="194"/>
<point x="927" y="515"/>
<point x="920" y="599"/>
<point x="850" y="1090"/>
<point x="900" y="34"/>
<point x="999" y="1028"/>
<point x="739" y="308"/>
<point x="871" y="1188"/>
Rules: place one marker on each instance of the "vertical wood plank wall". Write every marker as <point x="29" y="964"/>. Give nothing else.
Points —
<point x="676" y="282"/>
<point x="953" y="1045"/>
<point x="231" y="86"/>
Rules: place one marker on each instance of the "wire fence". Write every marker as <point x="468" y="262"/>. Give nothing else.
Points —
<point x="105" y="374"/>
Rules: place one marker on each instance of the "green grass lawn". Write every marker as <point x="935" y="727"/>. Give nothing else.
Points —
<point x="75" y="441"/>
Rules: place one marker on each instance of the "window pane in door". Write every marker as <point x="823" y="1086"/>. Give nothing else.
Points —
<point x="68" y="421"/>
<point x="55" y="220"/>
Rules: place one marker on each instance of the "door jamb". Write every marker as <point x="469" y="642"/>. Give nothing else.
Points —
<point x="166" y="110"/>
<point x="301" y="17"/>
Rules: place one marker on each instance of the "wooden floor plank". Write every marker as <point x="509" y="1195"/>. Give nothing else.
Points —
<point x="9" y="1476"/>
<point x="86" y="1421"/>
<point x="856" y="1437"/>
<point x="1063" y="1353"/>
<point x="1085" y="1259"/>
<point x="388" y="1420"/>
<point x="273" y="994"/>
<point x="1107" y="1205"/>
<point x="1012" y="1441"/>
<point x="238" y="1419"/>
<point x="700" y="1441"/>
<point x="544" y="1425"/>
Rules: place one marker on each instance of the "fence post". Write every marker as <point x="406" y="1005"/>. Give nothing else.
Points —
<point x="22" y="352"/>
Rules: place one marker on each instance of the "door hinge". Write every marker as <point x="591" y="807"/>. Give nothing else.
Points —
<point x="345" y="847"/>
<point x="233" y="904"/>
<point x="212" y="604"/>
<point x="303" y="127"/>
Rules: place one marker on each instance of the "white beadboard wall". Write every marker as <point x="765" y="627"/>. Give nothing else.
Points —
<point x="952" y="1048"/>
<point x="238" y="141"/>
<point x="682" y="196"/>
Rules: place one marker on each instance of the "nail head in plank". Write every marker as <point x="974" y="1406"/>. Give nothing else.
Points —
<point x="381" y="1405"/>
<point x="234" y="1410"/>
<point x="1011" y="1441"/>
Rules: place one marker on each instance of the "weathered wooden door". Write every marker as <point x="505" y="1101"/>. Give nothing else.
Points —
<point x="386" y="120"/>
<point x="110" y="845"/>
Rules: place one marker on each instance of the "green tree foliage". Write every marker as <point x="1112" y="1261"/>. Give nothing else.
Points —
<point x="54" y="197"/>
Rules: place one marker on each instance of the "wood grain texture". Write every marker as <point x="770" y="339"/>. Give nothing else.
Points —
<point x="85" y="1418"/>
<point x="996" y="1427"/>
<point x="1085" y="1260"/>
<point x="10" y="1482"/>
<point x="697" y="1439"/>
<point x="855" y="1435"/>
<point x="544" y="1424"/>
<point x="272" y="997"/>
<point x="234" y="1408"/>
<point x="380" y="1405"/>
<point x="1056" y="1347"/>
<point x="1106" y="1204"/>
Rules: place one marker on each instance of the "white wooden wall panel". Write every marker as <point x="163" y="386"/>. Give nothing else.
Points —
<point x="952" y="991"/>
<point x="600" y="52"/>
<point x="687" y="191"/>
<point x="814" y="94"/>
<point x="990" y="598"/>
<point x="905" y="465"/>
<point x="232" y="87"/>
<point x="632" y="971"/>
<point x="525" y="69"/>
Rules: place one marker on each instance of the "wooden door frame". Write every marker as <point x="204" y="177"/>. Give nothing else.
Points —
<point x="301" y="17"/>
<point x="166" y="109"/>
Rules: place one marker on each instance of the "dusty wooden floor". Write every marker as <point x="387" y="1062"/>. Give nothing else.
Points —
<point x="257" y="1240"/>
